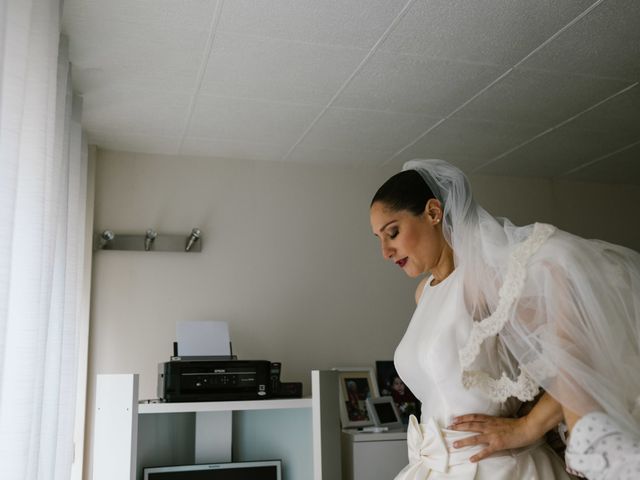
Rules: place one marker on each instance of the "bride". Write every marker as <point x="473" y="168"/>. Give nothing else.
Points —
<point x="503" y="312"/>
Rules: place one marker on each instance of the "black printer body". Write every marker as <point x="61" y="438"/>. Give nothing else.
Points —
<point x="217" y="380"/>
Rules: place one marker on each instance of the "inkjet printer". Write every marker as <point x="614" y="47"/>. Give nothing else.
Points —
<point x="213" y="378"/>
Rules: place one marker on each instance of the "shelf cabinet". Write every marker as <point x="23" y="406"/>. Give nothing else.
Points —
<point x="304" y="433"/>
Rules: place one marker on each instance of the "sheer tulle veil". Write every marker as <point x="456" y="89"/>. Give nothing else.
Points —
<point x="562" y="311"/>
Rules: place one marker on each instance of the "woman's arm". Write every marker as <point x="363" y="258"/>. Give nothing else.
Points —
<point x="505" y="433"/>
<point x="570" y="417"/>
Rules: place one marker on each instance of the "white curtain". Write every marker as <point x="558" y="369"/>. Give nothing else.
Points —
<point x="43" y="182"/>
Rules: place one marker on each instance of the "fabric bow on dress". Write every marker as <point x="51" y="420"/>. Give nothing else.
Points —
<point x="427" y="450"/>
<point x="431" y="453"/>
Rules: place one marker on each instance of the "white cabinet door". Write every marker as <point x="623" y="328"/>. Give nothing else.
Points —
<point x="379" y="460"/>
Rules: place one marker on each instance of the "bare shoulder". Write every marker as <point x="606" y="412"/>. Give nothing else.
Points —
<point x="420" y="288"/>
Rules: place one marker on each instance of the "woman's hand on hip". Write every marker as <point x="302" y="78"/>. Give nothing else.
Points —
<point x="497" y="433"/>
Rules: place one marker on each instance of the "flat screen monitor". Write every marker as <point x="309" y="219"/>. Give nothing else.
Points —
<point x="265" y="470"/>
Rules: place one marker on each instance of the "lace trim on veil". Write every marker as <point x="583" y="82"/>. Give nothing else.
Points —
<point x="499" y="389"/>
<point x="524" y="388"/>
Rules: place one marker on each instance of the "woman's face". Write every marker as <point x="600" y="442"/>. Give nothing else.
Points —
<point x="398" y="385"/>
<point x="414" y="243"/>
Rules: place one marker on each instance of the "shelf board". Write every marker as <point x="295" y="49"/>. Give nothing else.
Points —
<point x="273" y="404"/>
<point x="375" y="437"/>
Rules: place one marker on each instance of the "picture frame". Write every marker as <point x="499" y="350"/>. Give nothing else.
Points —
<point x="390" y="384"/>
<point x="384" y="412"/>
<point x="356" y="385"/>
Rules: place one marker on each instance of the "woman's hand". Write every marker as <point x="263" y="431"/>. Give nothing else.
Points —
<point x="497" y="433"/>
<point x="504" y="433"/>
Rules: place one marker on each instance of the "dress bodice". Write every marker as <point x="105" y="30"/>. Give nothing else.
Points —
<point x="427" y="357"/>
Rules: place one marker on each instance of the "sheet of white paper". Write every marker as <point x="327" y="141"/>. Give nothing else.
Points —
<point x="202" y="338"/>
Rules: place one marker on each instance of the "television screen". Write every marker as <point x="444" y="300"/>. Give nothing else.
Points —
<point x="266" y="470"/>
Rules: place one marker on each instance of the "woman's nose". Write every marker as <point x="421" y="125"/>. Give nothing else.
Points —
<point x="387" y="251"/>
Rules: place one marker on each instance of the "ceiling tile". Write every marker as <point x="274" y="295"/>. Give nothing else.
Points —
<point x="280" y="70"/>
<point x="557" y="152"/>
<point x="110" y="54"/>
<point x="122" y="140"/>
<point x="135" y="111"/>
<point x="606" y="42"/>
<point x="411" y="84"/>
<point x="472" y="139"/>
<point x="112" y="43"/>
<point x="485" y="31"/>
<point x="164" y="13"/>
<point x="619" y="114"/>
<point x="167" y="80"/>
<point x="539" y="98"/>
<point x="466" y="163"/>
<point x="356" y="23"/>
<point x="621" y="167"/>
<point x="238" y="119"/>
<point x="376" y="130"/>
<point x="331" y="156"/>
<point x="247" y="149"/>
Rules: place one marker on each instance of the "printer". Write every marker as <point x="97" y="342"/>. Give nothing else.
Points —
<point x="205" y="378"/>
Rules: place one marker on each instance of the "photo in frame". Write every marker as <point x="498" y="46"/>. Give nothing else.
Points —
<point x="356" y="386"/>
<point x="390" y="383"/>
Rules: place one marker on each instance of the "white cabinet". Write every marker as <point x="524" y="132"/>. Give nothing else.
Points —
<point x="304" y="433"/>
<point x="373" y="456"/>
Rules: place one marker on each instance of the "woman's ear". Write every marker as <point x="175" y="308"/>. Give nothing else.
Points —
<point x="433" y="211"/>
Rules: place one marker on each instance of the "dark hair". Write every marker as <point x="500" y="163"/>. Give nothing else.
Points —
<point x="404" y="191"/>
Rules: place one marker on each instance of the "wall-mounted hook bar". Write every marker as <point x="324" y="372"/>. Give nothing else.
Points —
<point x="150" y="241"/>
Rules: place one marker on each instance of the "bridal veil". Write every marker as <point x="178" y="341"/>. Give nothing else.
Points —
<point x="562" y="311"/>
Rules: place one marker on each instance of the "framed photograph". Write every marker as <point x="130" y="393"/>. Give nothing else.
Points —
<point x="356" y="386"/>
<point x="390" y="384"/>
<point x="384" y="413"/>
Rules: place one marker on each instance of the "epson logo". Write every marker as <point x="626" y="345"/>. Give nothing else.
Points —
<point x="219" y="370"/>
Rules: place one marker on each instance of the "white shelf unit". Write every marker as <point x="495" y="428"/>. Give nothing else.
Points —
<point x="304" y="433"/>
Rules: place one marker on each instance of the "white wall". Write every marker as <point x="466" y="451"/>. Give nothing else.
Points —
<point x="590" y="210"/>
<point x="288" y="258"/>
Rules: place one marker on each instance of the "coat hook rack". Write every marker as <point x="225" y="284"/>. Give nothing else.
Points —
<point x="150" y="241"/>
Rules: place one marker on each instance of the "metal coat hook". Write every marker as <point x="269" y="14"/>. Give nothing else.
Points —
<point x="149" y="239"/>
<point x="193" y="238"/>
<point x="104" y="238"/>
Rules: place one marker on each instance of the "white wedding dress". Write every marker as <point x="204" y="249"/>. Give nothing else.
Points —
<point x="427" y="361"/>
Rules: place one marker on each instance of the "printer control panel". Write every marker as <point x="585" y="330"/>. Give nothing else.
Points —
<point x="205" y="381"/>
